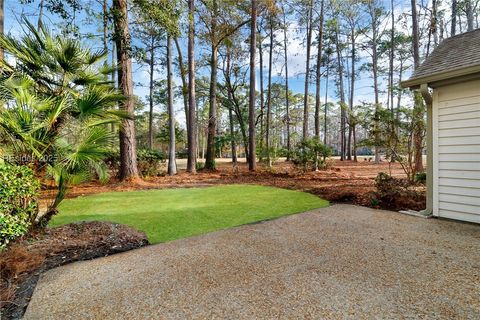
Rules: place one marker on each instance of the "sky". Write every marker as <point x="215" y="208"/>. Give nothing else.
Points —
<point x="296" y="53"/>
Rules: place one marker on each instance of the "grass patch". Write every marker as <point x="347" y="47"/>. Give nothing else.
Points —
<point x="170" y="214"/>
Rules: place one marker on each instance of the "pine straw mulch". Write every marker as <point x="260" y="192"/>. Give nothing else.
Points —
<point x="345" y="182"/>
<point x="25" y="259"/>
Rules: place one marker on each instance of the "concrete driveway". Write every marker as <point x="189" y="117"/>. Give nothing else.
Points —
<point x="333" y="263"/>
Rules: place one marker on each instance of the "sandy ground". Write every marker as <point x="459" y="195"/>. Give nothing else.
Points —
<point x="341" y="262"/>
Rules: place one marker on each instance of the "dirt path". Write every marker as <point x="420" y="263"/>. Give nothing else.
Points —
<point x="333" y="263"/>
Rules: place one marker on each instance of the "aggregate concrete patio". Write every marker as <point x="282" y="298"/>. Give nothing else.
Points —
<point x="333" y="263"/>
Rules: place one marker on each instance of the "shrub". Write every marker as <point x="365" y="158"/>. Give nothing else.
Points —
<point x="18" y="202"/>
<point x="397" y="194"/>
<point x="199" y="166"/>
<point x="421" y="177"/>
<point x="264" y="154"/>
<point x="312" y="154"/>
<point x="150" y="162"/>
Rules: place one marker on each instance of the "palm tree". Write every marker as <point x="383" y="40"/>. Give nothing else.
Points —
<point x="57" y="107"/>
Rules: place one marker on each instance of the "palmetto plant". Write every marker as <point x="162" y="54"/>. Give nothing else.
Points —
<point x="55" y="110"/>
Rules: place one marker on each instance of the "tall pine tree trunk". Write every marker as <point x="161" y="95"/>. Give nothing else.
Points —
<point x="183" y="76"/>
<point x="287" y="100"/>
<point x="2" y="24"/>
<point x="151" y="63"/>
<point x="269" y="97"/>
<point x="453" y="29"/>
<point x="351" y="128"/>
<point x="128" y="144"/>
<point x="418" y="112"/>
<point x="212" y="112"/>
<point x="192" y="108"/>
<point x="391" y="56"/>
<point x="262" y="91"/>
<point x="469" y="12"/>
<point x="230" y="111"/>
<point x="375" y="26"/>
<point x="307" y="69"/>
<point x="252" y="164"/>
<point x="325" y="124"/>
<point x="318" y="72"/>
<point x="172" y="166"/>
<point x="342" y="96"/>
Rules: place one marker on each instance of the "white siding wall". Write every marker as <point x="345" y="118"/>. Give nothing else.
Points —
<point x="456" y="141"/>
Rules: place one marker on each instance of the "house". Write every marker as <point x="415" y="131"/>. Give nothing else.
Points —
<point x="449" y="81"/>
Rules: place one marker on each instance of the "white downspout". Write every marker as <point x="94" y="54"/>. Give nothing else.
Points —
<point x="427" y="96"/>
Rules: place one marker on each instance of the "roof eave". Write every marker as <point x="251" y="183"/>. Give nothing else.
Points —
<point x="455" y="75"/>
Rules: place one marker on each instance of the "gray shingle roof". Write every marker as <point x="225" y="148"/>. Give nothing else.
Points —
<point x="458" y="52"/>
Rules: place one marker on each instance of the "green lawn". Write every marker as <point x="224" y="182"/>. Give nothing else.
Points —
<point x="178" y="213"/>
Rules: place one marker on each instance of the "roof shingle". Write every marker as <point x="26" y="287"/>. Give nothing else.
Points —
<point x="458" y="52"/>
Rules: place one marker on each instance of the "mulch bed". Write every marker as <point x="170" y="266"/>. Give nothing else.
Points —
<point x="23" y="262"/>
<point x="346" y="182"/>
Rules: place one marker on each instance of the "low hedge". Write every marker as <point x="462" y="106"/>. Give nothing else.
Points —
<point x="19" y="191"/>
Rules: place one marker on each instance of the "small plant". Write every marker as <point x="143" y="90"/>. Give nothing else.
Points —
<point x="18" y="202"/>
<point x="397" y="194"/>
<point x="150" y="161"/>
<point x="421" y="177"/>
<point x="312" y="154"/>
<point x="200" y="166"/>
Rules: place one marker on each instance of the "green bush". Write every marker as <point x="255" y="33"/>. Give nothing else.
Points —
<point x="199" y="166"/>
<point x="311" y="153"/>
<point x="150" y="162"/>
<point x="421" y="177"/>
<point x="18" y="202"/>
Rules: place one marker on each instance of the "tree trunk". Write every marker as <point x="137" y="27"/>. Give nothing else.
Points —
<point x="113" y="76"/>
<point x="354" y="143"/>
<point x="287" y="100"/>
<point x="252" y="164"/>
<point x="373" y="13"/>
<point x="392" y="55"/>
<point x="262" y="92"/>
<point x="105" y="26"/>
<point x="325" y="131"/>
<point x="192" y="108"/>
<point x="342" y="96"/>
<point x="2" y="28"/>
<point x="307" y="70"/>
<point x="230" y="111"/>
<point x="434" y="23"/>
<point x="269" y="97"/>
<point x="172" y="166"/>
<point x="415" y="35"/>
<point x="150" y="97"/>
<point x="351" y="129"/>
<point x="418" y="108"/>
<point x="128" y="144"/>
<point x="243" y="131"/>
<point x="318" y="73"/>
<point x="212" y="113"/>
<point x="453" y="29"/>
<point x="183" y="76"/>
<point x="41" y="7"/>
<point x="469" y="12"/>
<point x="104" y="39"/>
